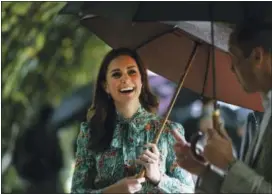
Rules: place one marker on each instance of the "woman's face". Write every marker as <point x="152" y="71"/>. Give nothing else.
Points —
<point x="123" y="80"/>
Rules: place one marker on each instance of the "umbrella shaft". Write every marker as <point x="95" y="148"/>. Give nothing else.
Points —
<point x="180" y="85"/>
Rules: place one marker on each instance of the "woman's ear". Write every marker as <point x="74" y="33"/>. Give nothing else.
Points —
<point x="105" y="87"/>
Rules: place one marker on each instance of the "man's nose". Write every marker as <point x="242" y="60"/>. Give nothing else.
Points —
<point x="232" y="68"/>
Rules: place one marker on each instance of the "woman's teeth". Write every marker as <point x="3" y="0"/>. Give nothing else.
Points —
<point x="128" y="89"/>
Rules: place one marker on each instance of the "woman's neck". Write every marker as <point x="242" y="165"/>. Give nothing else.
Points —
<point x="127" y="110"/>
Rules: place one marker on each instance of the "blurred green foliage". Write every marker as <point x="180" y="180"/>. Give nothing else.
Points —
<point x="44" y="57"/>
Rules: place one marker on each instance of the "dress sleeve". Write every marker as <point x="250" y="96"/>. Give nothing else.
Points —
<point x="85" y="167"/>
<point x="176" y="179"/>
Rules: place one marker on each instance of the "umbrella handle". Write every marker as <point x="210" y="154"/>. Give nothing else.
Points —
<point x="155" y="141"/>
<point x="200" y="135"/>
<point x="218" y="126"/>
<point x="141" y="173"/>
<point x="216" y="120"/>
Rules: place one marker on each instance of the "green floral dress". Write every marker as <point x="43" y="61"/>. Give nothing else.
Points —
<point x="93" y="172"/>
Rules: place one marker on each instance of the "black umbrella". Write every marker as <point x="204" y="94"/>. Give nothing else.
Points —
<point x="166" y="48"/>
<point x="170" y="50"/>
<point x="232" y="12"/>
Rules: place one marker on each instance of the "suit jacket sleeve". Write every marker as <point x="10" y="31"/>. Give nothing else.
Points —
<point x="209" y="182"/>
<point x="242" y="179"/>
<point x="85" y="167"/>
<point x="239" y="179"/>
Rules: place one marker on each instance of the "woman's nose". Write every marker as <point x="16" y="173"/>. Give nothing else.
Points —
<point x="124" y="78"/>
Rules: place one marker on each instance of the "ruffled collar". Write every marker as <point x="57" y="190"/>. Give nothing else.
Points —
<point x="128" y="129"/>
<point x="138" y="114"/>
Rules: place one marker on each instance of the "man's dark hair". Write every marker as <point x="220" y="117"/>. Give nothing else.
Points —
<point x="251" y="34"/>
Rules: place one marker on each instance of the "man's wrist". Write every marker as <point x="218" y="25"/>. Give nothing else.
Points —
<point x="205" y="169"/>
<point x="231" y="163"/>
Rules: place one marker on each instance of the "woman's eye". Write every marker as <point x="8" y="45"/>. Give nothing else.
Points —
<point x="131" y="72"/>
<point x="116" y="75"/>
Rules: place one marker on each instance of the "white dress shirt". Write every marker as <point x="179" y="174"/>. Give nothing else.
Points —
<point x="267" y="98"/>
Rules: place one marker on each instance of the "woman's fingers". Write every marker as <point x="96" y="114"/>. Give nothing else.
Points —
<point x="147" y="159"/>
<point x="151" y="155"/>
<point x="154" y="148"/>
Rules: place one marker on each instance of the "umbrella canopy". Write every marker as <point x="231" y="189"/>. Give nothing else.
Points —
<point x="232" y="12"/>
<point x="165" y="48"/>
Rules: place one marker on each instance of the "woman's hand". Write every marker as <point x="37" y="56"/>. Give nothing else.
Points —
<point x="126" y="185"/>
<point x="185" y="158"/>
<point x="150" y="160"/>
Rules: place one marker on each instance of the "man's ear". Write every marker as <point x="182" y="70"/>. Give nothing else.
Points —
<point x="257" y="56"/>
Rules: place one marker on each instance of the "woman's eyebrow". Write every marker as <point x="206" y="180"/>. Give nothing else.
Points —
<point x="114" y="70"/>
<point x="132" y="66"/>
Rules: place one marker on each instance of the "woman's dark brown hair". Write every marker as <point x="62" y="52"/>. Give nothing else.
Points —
<point x="101" y="122"/>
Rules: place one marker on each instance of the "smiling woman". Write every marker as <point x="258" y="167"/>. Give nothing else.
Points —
<point x="122" y="122"/>
<point x="123" y="83"/>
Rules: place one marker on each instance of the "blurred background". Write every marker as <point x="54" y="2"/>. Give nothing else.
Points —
<point x="49" y="63"/>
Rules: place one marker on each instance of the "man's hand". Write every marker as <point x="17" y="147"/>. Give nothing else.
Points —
<point x="185" y="158"/>
<point x="218" y="150"/>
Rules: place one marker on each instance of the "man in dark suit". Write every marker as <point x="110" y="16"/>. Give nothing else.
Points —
<point x="250" y="47"/>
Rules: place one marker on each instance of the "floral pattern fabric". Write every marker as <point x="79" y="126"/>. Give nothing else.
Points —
<point x="94" y="172"/>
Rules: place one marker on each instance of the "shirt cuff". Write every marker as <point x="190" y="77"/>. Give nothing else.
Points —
<point x="164" y="182"/>
<point x="166" y="186"/>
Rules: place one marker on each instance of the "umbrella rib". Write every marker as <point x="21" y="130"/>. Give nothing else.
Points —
<point x="136" y="12"/>
<point x="154" y="38"/>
